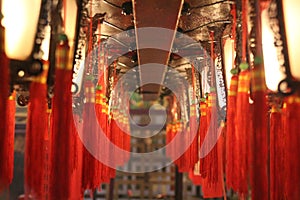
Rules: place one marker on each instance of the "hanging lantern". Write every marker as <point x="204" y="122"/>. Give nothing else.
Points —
<point x="70" y="17"/>
<point x="27" y="35"/>
<point x="20" y="22"/>
<point x="229" y="55"/>
<point x="282" y="15"/>
<point x="292" y="30"/>
<point x="272" y="67"/>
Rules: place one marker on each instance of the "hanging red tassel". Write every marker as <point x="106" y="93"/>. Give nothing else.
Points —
<point x="63" y="128"/>
<point x="276" y="154"/>
<point x="7" y="146"/>
<point x="91" y="178"/>
<point x="127" y="139"/>
<point x="231" y="140"/>
<point x="190" y="157"/>
<point x="259" y="147"/>
<point x="101" y="108"/>
<point x="7" y="122"/>
<point x="193" y="124"/>
<point x="292" y="172"/>
<point x="76" y="187"/>
<point x="242" y="131"/>
<point x="202" y="133"/>
<point x="214" y="187"/>
<point x="170" y="129"/>
<point x="36" y="130"/>
<point x="116" y="137"/>
<point x="212" y="124"/>
<point x="125" y="130"/>
<point x="101" y="104"/>
<point x="168" y="140"/>
<point x="185" y="159"/>
<point x="119" y="129"/>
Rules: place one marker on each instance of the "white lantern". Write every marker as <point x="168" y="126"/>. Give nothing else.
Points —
<point x="291" y="13"/>
<point x="271" y="64"/>
<point x="229" y="56"/>
<point x="20" y="18"/>
<point x="70" y="21"/>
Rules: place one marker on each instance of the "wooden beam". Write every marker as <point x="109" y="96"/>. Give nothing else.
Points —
<point x="159" y="14"/>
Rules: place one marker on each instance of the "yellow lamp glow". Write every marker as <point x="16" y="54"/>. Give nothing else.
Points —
<point x="272" y="68"/>
<point x="46" y="43"/>
<point x="70" y="21"/>
<point x="20" y="18"/>
<point x="229" y="55"/>
<point x="291" y="12"/>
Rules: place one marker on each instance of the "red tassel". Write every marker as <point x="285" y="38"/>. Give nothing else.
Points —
<point x="184" y="160"/>
<point x="119" y="137"/>
<point x="202" y="133"/>
<point x="171" y="131"/>
<point x="211" y="151"/>
<point x="259" y="146"/>
<point x="292" y="172"/>
<point x="231" y="143"/>
<point x="242" y="133"/>
<point x="193" y="124"/>
<point x="36" y="130"/>
<point x="7" y="122"/>
<point x="213" y="188"/>
<point x="122" y="142"/>
<point x="276" y="154"/>
<point x="194" y="145"/>
<point x="76" y="189"/>
<point x="7" y="143"/>
<point x="212" y="127"/>
<point x="90" y="177"/>
<point x="176" y="129"/>
<point x="63" y="128"/>
<point x="101" y="108"/>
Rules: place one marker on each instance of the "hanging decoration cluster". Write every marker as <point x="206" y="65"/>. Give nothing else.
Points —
<point x="253" y="151"/>
<point x="256" y="150"/>
<point x="58" y="162"/>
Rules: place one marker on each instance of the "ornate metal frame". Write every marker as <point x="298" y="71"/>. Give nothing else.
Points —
<point x="288" y="85"/>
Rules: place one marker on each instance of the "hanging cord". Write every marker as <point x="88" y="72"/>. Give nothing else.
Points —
<point x="234" y="25"/>
<point x="212" y="57"/>
<point x="244" y="30"/>
<point x="112" y="87"/>
<point x="193" y="84"/>
<point x="64" y="21"/>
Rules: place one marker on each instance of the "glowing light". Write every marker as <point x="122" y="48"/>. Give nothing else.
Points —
<point x="70" y="21"/>
<point x="291" y="10"/>
<point x="46" y="43"/>
<point x="20" y="22"/>
<point x="229" y="55"/>
<point x="272" y="68"/>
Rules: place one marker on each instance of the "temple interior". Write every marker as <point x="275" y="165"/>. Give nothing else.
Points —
<point x="149" y="99"/>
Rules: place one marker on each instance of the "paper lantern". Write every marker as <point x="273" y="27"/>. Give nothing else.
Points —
<point x="272" y="68"/>
<point x="20" y="22"/>
<point x="291" y="16"/>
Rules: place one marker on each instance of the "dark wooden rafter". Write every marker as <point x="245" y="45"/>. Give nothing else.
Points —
<point x="160" y="14"/>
